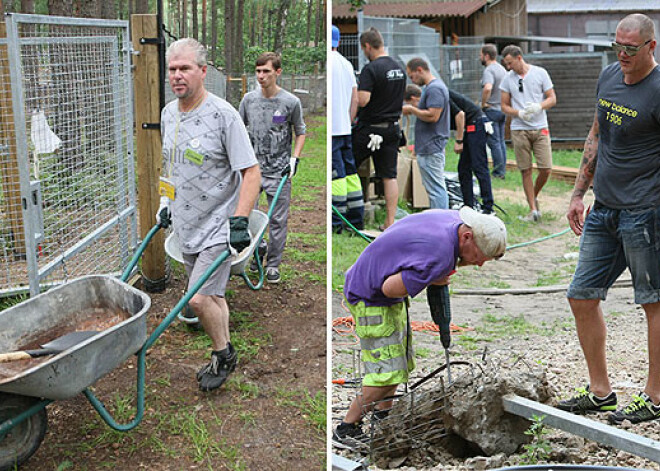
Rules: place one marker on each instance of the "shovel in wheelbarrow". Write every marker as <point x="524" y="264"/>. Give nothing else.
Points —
<point x="53" y="347"/>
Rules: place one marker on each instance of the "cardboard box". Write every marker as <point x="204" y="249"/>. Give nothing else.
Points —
<point x="404" y="176"/>
<point x="420" y="199"/>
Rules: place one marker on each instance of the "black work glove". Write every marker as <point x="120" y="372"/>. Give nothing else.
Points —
<point x="438" y="299"/>
<point x="239" y="237"/>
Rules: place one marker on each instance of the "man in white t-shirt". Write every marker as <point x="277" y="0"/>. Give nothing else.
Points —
<point x="346" y="188"/>
<point x="527" y="92"/>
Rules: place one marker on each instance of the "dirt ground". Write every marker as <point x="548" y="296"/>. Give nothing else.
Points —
<point x="537" y="328"/>
<point x="260" y="420"/>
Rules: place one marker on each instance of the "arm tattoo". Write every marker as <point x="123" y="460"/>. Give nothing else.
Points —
<point x="588" y="166"/>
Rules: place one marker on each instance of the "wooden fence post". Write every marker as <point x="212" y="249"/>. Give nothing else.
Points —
<point x="9" y="166"/>
<point x="146" y="82"/>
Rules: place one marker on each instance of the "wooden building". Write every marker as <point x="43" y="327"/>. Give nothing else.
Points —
<point x="452" y="19"/>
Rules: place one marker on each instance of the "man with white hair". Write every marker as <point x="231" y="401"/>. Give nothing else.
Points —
<point x="418" y="251"/>
<point x="621" y="230"/>
<point x="211" y="178"/>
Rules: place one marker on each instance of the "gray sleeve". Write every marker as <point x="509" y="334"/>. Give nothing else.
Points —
<point x="299" y="126"/>
<point x="487" y="77"/>
<point x="504" y="86"/>
<point x="238" y="146"/>
<point x="242" y="111"/>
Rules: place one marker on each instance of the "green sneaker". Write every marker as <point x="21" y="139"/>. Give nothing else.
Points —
<point x="585" y="401"/>
<point x="639" y="410"/>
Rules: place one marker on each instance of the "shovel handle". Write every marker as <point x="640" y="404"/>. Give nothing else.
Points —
<point x="13" y="356"/>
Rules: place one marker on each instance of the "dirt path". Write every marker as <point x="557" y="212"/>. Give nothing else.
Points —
<point x="538" y="328"/>
<point x="269" y="414"/>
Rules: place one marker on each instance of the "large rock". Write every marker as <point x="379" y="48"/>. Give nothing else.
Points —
<point x="474" y="410"/>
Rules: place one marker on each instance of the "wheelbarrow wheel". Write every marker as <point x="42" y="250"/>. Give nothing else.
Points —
<point x="20" y="443"/>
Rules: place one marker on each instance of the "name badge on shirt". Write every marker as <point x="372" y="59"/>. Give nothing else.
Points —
<point x="279" y="118"/>
<point x="166" y="188"/>
<point x="194" y="157"/>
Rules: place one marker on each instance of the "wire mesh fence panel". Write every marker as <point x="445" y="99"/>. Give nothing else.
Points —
<point x="73" y="123"/>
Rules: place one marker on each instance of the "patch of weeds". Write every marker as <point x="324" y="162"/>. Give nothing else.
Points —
<point x="6" y="303"/>
<point x="539" y="449"/>
<point x="548" y="279"/>
<point x="312" y="408"/>
<point x="468" y="342"/>
<point x="423" y="352"/>
<point x="498" y="284"/>
<point x="163" y="381"/>
<point x="248" y="417"/>
<point x="247" y="389"/>
<point x="511" y="326"/>
<point x="64" y="465"/>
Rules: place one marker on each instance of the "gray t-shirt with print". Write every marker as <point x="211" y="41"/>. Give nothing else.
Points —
<point x="271" y="123"/>
<point x="494" y="74"/>
<point x="534" y="84"/>
<point x="203" y="153"/>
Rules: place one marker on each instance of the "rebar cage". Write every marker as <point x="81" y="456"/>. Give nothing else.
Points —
<point x="67" y="191"/>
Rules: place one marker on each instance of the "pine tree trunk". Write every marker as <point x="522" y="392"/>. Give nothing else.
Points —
<point x="214" y="30"/>
<point x="195" y="22"/>
<point x="141" y="6"/>
<point x="27" y="6"/>
<point x="204" y="38"/>
<point x="238" y="38"/>
<point x="280" y="25"/>
<point x="184" y="19"/>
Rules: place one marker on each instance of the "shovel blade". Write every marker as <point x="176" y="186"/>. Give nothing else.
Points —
<point x="69" y="340"/>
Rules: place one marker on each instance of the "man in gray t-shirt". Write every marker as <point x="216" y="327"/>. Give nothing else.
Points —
<point x="431" y="130"/>
<point x="491" y="97"/>
<point x="210" y="181"/>
<point x="272" y="116"/>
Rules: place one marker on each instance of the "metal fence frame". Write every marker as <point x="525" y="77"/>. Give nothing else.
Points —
<point x="50" y="270"/>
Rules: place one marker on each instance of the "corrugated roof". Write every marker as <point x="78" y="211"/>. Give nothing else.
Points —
<point x="411" y="10"/>
<point x="590" y="6"/>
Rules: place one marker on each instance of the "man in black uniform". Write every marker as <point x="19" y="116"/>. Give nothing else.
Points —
<point x="377" y="133"/>
<point x="470" y="124"/>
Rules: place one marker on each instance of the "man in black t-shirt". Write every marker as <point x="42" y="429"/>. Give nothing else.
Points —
<point x="377" y="133"/>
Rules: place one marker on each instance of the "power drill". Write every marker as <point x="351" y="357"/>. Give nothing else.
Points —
<point x="438" y="299"/>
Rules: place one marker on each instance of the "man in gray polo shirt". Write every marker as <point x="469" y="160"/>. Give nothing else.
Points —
<point x="272" y="116"/>
<point x="491" y="97"/>
<point x="209" y="185"/>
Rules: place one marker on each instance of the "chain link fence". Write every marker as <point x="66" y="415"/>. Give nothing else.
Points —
<point x="67" y="193"/>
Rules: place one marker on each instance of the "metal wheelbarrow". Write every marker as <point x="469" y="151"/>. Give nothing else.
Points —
<point x="25" y="393"/>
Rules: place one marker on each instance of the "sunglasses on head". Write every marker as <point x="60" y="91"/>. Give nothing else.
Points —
<point x="629" y="50"/>
<point x="520" y="85"/>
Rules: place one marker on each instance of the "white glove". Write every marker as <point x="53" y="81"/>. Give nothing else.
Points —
<point x="374" y="142"/>
<point x="164" y="206"/>
<point x="525" y="116"/>
<point x="533" y="108"/>
<point x="293" y="163"/>
<point x="488" y="126"/>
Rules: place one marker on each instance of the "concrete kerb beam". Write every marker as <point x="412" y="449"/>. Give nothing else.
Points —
<point x="578" y="425"/>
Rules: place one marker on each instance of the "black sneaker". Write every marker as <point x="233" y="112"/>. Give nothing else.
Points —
<point x="348" y="435"/>
<point x="586" y="401"/>
<point x="639" y="410"/>
<point x="273" y="275"/>
<point x="379" y="415"/>
<point x="222" y="363"/>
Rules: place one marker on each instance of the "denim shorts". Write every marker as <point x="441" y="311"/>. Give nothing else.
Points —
<point x="613" y="240"/>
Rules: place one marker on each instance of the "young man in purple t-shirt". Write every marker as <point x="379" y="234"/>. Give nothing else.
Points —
<point x="418" y="251"/>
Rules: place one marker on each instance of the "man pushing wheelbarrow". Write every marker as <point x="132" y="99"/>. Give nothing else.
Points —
<point x="210" y="182"/>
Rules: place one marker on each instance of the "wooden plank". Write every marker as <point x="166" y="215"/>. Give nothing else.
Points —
<point x="579" y="425"/>
<point x="149" y="154"/>
<point x="9" y="163"/>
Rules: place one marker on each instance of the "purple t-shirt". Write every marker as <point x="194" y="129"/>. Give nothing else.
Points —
<point x="423" y="247"/>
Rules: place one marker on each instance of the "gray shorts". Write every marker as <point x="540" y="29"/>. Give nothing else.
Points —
<point x="197" y="264"/>
<point x="613" y="240"/>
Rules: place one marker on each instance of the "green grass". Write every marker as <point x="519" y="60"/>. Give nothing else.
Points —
<point x="312" y="408"/>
